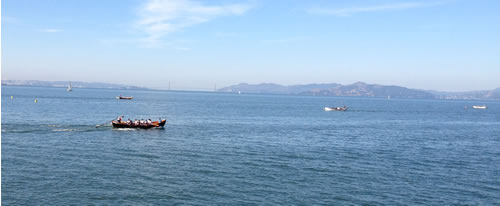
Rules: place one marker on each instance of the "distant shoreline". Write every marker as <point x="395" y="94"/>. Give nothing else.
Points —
<point x="62" y="87"/>
<point x="360" y="89"/>
<point x="273" y="94"/>
<point x="74" y="84"/>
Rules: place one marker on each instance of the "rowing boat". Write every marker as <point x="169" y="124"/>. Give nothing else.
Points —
<point x="127" y="124"/>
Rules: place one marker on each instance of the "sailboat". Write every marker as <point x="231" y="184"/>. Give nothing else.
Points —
<point x="69" y="89"/>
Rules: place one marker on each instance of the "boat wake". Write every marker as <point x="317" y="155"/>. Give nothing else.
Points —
<point x="47" y="128"/>
<point x="66" y="130"/>
<point x="124" y="129"/>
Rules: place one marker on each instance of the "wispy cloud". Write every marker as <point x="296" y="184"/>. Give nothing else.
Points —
<point x="375" y="8"/>
<point x="50" y="30"/>
<point x="161" y="17"/>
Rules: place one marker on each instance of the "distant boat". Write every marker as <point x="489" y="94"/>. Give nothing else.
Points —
<point x="69" y="89"/>
<point x="479" y="106"/>
<point x="335" y="108"/>
<point x="123" y="97"/>
<point x="388" y="97"/>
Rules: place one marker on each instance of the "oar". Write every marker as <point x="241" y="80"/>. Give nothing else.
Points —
<point x="100" y="125"/>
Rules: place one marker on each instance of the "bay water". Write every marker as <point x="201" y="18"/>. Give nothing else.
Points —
<point x="247" y="149"/>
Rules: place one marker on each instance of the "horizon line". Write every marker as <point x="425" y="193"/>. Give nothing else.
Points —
<point x="212" y="89"/>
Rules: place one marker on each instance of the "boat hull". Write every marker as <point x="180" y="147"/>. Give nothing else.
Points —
<point x="126" y="98"/>
<point x="335" y="109"/>
<point x="155" y="124"/>
<point x="479" y="107"/>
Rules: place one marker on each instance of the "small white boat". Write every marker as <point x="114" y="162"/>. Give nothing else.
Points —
<point x="479" y="106"/>
<point x="335" y="108"/>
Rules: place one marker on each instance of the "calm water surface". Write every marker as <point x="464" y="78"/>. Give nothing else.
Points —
<point x="245" y="149"/>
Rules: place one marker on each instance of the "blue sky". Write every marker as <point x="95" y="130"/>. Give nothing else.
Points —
<point x="451" y="45"/>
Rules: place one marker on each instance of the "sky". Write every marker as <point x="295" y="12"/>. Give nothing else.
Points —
<point x="447" y="45"/>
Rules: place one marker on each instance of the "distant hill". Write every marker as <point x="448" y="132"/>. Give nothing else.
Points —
<point x="65" y="84"/>
<point x="360" y="89"/>
<point x="493" y="94"/>
<point x="356" y="89"/>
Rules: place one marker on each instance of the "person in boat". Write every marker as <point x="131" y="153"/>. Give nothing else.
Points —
<point x="119" y="119"/>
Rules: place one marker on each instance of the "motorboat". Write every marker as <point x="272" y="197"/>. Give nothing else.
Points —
<point x="336" y="108"/>
<point x="479" y="107"/>
<point x="124" y="97"/>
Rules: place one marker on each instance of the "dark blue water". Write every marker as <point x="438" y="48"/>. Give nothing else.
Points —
<point x="228" y="149"/>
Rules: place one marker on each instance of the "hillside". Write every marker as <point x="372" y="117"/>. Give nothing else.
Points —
<point x="356" y="89"/>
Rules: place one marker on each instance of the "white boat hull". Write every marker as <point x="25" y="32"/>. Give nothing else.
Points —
<point x="335" y="109"/>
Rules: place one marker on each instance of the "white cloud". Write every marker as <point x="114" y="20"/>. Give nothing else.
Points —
<point x="161" y="17"/>
<point x="384" y="7"/>
<point x="50" y="30"/>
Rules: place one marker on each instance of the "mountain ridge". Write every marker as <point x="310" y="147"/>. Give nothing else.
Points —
<point x="359" y="89"/>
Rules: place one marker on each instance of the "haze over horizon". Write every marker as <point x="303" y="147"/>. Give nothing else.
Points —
<point x="445" y="45"/>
